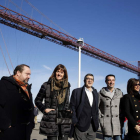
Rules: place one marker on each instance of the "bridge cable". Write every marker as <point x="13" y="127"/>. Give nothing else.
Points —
<point x="5" y="60"/>
<point x="20" y="8"/>
<point x="38" y="12"/>
<point x="6" y="49"/>
<point x="46" y="17"/>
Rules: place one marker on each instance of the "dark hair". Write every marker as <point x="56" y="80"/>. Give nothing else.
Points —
<point x="58" y="67"/>
<point x="89" y="74"/>
<point x="108" y="76"/>
<point x="20" y="68"/>
<point x="130" y="85"/>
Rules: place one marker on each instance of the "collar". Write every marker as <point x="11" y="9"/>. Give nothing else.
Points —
<point x="109" y="90"/>
<point x="86" y="89"/>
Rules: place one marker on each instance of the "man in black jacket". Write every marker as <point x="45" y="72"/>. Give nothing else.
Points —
<point x="84" y="105"/>
<point x="16" y="106"/>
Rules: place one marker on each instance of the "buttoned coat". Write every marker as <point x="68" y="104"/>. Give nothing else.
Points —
<point x="16" y="110"/>
<point x="77" y="104"/>
<point x="109" y="112"/>
<point x="132" y="112"/>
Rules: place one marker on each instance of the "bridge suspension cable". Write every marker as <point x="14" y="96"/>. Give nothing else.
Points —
<point x="6" y="49"/>
<point x="19" y="8"/>
<point x="46" y="17"/>
<point x="5" y="60"/>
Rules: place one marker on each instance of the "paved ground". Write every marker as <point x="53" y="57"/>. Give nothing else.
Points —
<point x="36" y="136"/>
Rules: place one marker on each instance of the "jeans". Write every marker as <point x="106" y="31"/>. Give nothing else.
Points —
<point x="125" y="130"/>
<point x="117" y="137"/>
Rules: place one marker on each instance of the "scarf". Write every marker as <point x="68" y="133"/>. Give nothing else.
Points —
<point x="22" y="85"/>
<point x="60" y="87"/>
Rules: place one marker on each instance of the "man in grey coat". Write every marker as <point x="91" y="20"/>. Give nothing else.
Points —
<point x="109" y="109"/>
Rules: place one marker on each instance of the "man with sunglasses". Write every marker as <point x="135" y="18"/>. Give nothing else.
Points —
<point x="84" y="105"/>
<point x="109" y="109"/>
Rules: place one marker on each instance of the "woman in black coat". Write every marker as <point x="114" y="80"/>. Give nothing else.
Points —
<point x="132" y="108"/>
<point x="55" y="92"/>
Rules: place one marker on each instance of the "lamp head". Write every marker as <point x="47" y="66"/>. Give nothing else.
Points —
<point x="80" y="42"/>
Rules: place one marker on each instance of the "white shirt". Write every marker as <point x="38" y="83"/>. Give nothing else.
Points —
<point x="89" y="95"/>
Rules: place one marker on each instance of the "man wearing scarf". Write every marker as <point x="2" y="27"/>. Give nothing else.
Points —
<point x="16" y="106"/>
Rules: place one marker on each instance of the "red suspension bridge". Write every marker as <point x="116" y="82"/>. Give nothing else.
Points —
<point x="33" y="27"/>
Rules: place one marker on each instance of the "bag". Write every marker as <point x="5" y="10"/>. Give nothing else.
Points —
<point x="35" y="111"/>
<point x="64" y="117"/>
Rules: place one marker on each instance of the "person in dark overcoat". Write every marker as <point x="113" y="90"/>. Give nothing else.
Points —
<point x="55" y="92"/>
<point x="16" y="106"/>
<point x="132" y="108"/>
<point x="84" y="106"/>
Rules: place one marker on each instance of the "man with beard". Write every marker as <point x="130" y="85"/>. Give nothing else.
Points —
<point x="84" y="105"/>
<point x="109" y="109"/>
<point x="16" y="106"/>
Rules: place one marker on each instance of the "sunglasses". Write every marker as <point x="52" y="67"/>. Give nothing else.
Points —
<point x="137" y="84"/>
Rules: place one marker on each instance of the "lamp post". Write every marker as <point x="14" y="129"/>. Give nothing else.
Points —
<point x="80" y="43"/>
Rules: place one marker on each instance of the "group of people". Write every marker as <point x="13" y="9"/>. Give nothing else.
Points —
<point x="78" y="116"/>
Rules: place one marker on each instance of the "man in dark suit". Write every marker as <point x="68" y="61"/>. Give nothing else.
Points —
<point x="84" y="105"/>
<point x="16" y="106"/>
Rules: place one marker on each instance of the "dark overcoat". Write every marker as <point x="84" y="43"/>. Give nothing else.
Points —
<point x="16" y="110"/>
<point x="77" y="104"/>
<point x="48" y="124"/>
<point x="132" y="112"/>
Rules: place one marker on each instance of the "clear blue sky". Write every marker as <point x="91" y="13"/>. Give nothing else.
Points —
<point x="109" y="25"/>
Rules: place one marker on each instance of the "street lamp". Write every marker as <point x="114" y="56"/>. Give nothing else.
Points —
<point x="80" y="43"/>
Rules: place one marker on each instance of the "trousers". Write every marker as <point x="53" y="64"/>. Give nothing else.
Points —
<point x="87" y="135"/>
<point x="117" y="137"/>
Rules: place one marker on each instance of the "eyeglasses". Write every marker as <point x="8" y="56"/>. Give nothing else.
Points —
<point x="137" y="84"/>
<point x="89" y="79"/>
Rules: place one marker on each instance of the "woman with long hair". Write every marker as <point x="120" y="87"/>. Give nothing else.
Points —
<point x="132" y="108"/>
<point x="55" y="92"/>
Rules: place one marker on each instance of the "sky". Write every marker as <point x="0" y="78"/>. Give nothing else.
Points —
<point x="112" y="26"/>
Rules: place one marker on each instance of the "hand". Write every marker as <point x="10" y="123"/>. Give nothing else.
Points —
<point x="48" y="110"/>
<point x="69" y="110"/>
<point x="137" y="128"/>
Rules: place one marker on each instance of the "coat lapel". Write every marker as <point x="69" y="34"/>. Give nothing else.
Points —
<point x="94" y="98"/>
<point x="83" y="94"/>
